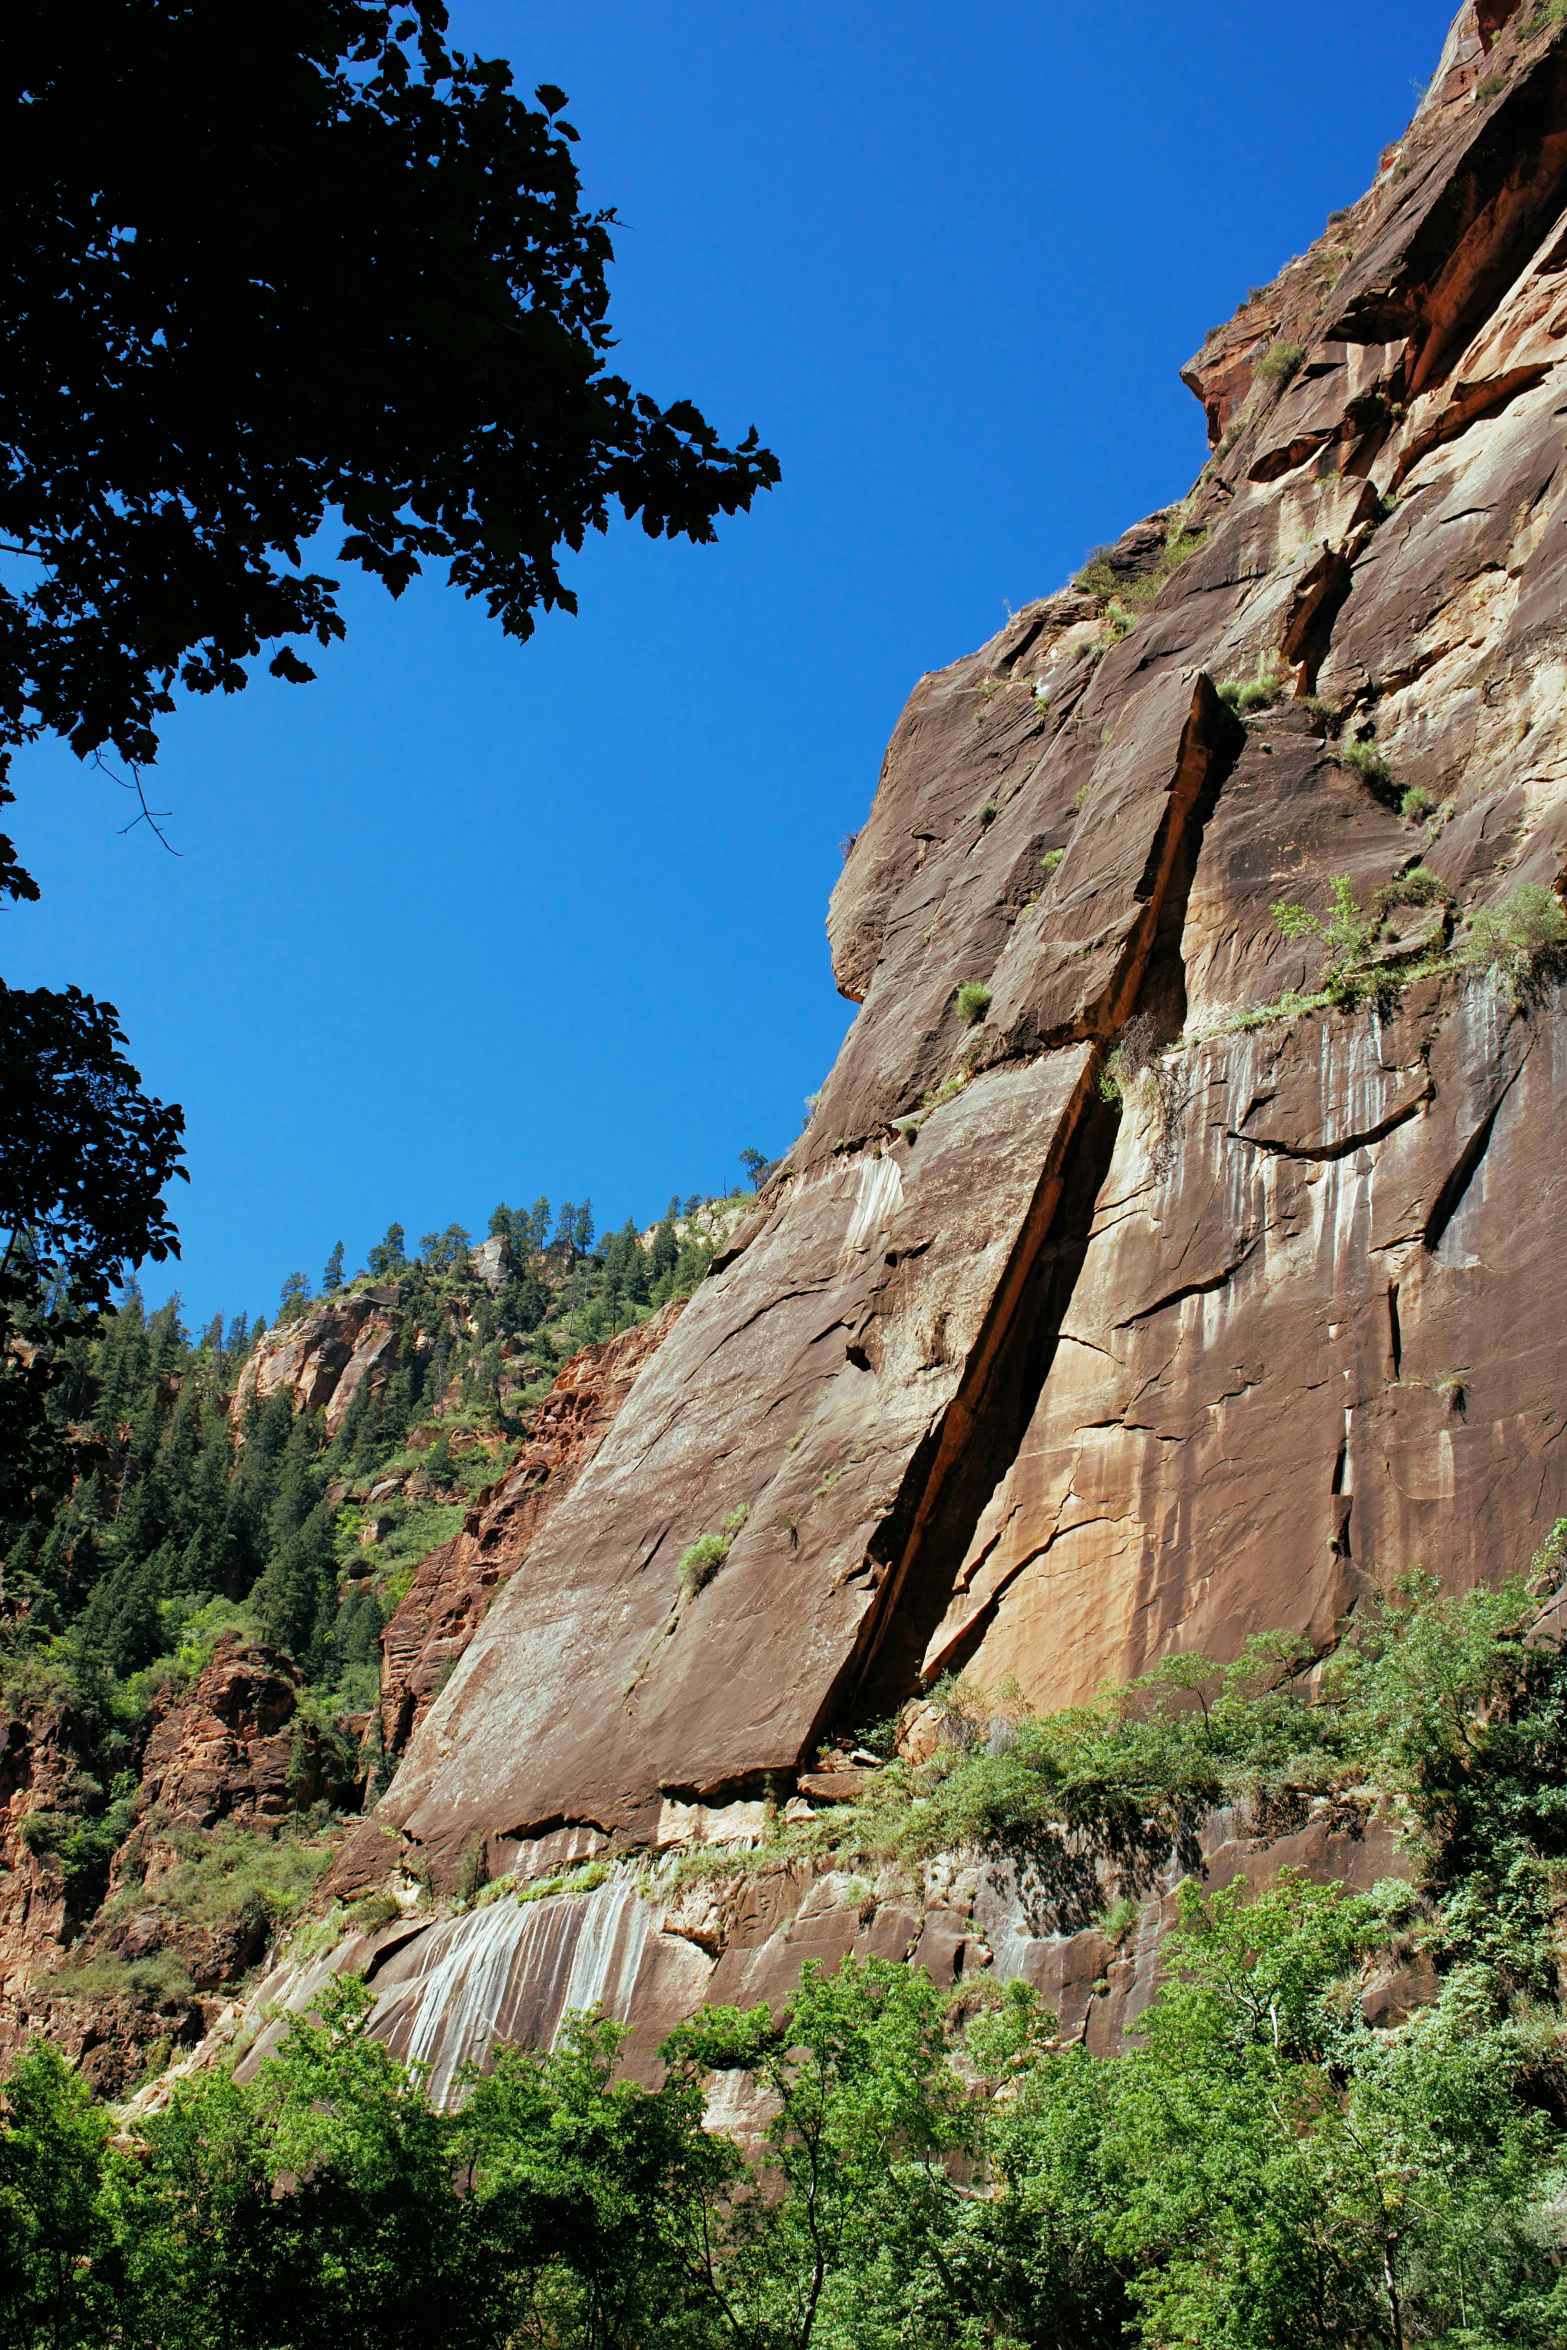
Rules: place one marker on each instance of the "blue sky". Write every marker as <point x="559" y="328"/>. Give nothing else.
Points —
<point x="466" y="920"/>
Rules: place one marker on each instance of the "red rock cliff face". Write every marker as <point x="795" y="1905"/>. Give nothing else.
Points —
<point x="1004" y="1379"/>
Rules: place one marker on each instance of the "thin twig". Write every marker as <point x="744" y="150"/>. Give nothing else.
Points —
<point x="151" y="817"/>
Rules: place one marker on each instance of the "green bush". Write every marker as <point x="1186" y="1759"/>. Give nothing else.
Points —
<point x="1344" y="930"/>
<point x="1519" y="941"/>
<point x="1132" y="595"/>
<point x="372" y="1910"/>
<point x="973" y="1002"/>
<point x="1370" y="763"/>
<point x="160" y="1979"/>
<point x="1278" y="364"/>
<point x="233" y="1871"/>
<point x="701" y="1562"/>
<point x="1270" y="684"/>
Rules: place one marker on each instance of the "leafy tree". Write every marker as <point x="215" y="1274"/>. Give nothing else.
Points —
<point x="58" y="2266"/>
<point x="290" y="263"/>
<point x="867" y="2113"/>
<point x="85" y="1157"/>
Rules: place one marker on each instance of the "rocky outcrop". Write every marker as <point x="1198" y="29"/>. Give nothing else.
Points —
<point x="1172" y="1252"/>
<point x="996" y="1376"/>
<point x="448" y="1985"/>
<point x="325" y="1356"/>
<point x="121" y="1962"/>
<point x="236" y="1749"/>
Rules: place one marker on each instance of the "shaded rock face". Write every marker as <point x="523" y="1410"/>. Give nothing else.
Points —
<point x="1002" y="1379"/>
<point x="111" y="1969"/>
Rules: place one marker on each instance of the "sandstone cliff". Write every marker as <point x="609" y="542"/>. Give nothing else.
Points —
<point x="1005" y="1377"/>
<point x="1172" y="1253"/>
<point x="1156" y="1269"/>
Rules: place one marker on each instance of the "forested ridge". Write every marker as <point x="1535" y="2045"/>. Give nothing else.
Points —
<point x="198" y="1507"/>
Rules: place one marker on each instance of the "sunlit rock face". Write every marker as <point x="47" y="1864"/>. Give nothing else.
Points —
<point x="1007" y="1375"/>
<point x="1004" y="1379"/>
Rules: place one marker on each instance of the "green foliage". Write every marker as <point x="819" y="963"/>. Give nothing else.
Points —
<point x="1345" y="931"/>
<point x="160" y="1980"/>
<point x="1279" y="364"/>
<point x="701" y="1562"/>
<point x="1260" y="2170"/>
<point x="973" y="1002"/>
<point x="59" y="2273"/>
<point x="867" y="2111"/>
<point x="1366" y="760"/>
<point x="234" y="1873"/>
<point x="1131" y="592"/>
<point x="1519" y="941"/>
<point x="1270" y="684"/>
<point x="434" y="371"/>
<point x="85" y="1157"/>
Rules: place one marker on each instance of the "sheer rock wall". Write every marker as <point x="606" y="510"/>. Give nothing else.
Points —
<point x="1003" y="1380"/>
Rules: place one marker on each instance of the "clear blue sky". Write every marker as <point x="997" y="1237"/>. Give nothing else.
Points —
<point x="466" y="920"/>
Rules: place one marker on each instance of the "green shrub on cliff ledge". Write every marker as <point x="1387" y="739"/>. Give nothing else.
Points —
<point x="972" y="1002"/>
<point x="1279" y="364"/>
<point x="1519" y="939"/>
<point x="701" y="1562"/>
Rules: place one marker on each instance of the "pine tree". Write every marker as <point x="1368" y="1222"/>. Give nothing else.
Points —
<point x="332" y="1277"/>
<point x="501" y="1222"/>
<point x="666" y="1247"/>
<point x="389" y="1255"/>
<point x="299" y="1585"/>
<point x="539" y="1224"/>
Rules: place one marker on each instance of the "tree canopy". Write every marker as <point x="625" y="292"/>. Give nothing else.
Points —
<point x="258" y="266"/>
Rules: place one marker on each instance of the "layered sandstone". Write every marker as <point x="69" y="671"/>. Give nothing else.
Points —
<point x="455" y="1584"/>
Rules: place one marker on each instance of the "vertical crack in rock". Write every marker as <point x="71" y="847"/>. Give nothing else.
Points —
<point x="983" y="1430"/>
<point x="1450" y="1198"/>
<point x="961" y="1468"/>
